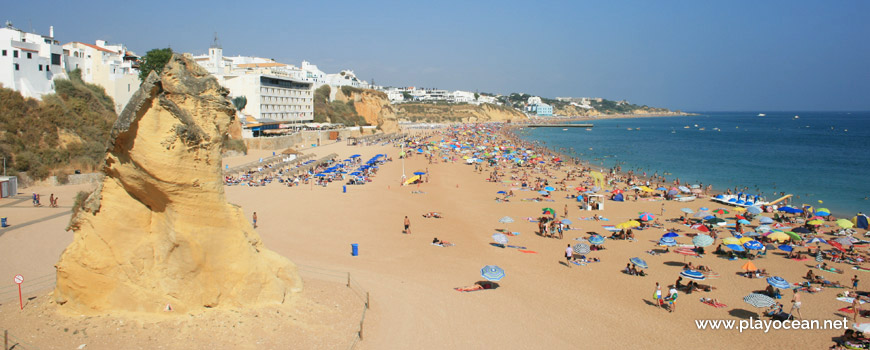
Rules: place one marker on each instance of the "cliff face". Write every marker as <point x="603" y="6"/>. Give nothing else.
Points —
<point x="573" y="111"/>
<point x="446" y="113"/>
<point x="159" y="230"/>
<point x="373" y="106"/>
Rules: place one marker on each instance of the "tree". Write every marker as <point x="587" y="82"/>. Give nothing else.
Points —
<point x="240" y="102"/>
<point x="154" y="60"/>
<point x="476" y="96"/>
<point x="406" y="96"/>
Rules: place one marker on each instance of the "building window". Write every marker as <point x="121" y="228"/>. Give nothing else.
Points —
<point x="15" y="53"/>
<point x="55" y="59"/>
<point x="48" y="68"/>
<point x="16" y="65"/>
<point x="40" y="68"/>
<point x="29" y="55"/>
<point x="4" y="52"/>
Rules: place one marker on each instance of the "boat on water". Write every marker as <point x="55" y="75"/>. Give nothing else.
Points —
<point x="564" y="129"/>
<point x="686" y="127"/>
<point x="588" y="129"/>
<point x="762" y="115"/>
<point x="629" y="129"/>
<point x="797" y="117"/>
<point x="702" y="129"/>
<point x="739" y="200"/>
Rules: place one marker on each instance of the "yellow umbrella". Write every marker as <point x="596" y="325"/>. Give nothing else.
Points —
<point x="745" y="239"/>
<point x="731" y="240"/>
<point x="740" y="209"/>
<point x="646" y="189"/>
<point x="815" y="222"/>
<point x="628" y="224"/>
<point x="778" y="236"/>
<point x="845" y="223"/>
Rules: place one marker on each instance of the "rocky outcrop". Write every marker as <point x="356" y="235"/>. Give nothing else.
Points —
<point x="374" y="106"/>
<point x="447" y="113"/>
<point x="574" y="111"/>
<point x="158" y="230"/>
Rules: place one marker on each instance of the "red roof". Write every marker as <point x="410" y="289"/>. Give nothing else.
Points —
<point x="95" y="47"/>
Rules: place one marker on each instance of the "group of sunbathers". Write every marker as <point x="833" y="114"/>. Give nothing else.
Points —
<point x="432" y="214"/>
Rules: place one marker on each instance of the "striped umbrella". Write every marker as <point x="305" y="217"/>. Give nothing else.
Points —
<point x="686" y="252"/>
<point x="702" y="241"/>
<point x="693" y="275"/>
<point x="667" y="241"/>
<point x="646" y="217"/>
<point x="506" y="220"/>
<point x="819" y="257"/>
<point x="752" y="234"/>
<point x="736" y="247"/>
<point x="581" y="248"/>
<point x="720" y="211"/>
<point x="639" y="262"/>
<point x="778" y="282"/>
<point x="778" y="236"/>
<point x="596" y="239"/>
<point x="794" y="236"/>
<point x="845" y="241"/>
<point x="492" y="273"/>
<point x="754" y="245"/>
<point x="759" y="300"/>
<point x="500" y="238"/>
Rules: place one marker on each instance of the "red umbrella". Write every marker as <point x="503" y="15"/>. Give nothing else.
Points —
<point x="700" y="227"/>
<point x="617" y="191"/>
<point x="740" y="217"/>
<point x="836" y="245"/>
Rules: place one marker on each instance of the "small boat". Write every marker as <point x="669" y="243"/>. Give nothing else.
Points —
<point x="588" y="129"/>
<point x="686" y="127"/>
<point x="762" y="115"/>
<point x="702" y="129"/>
<point x="629" y="129"/>
<point x="564" y="129"/>
<point x="797" y="117"/>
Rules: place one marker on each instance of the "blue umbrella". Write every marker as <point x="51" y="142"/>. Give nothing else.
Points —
<point x="754" y="210"/>
<point x="817" y="240"/>
<point x="671" y="234"/>
<point x="549" y="188"/>
<point x="492" y="273"/>
<point x="355" y="156"/>
<point x="419" y="173"/>
<point x="822" y="213"/>
<point x="743" y="222"/>
<point x="709" y="217"/>
<point x="661" y="189"/>
<point x="786" y="248"/>
<point x="703" y="209"/>
<point x="687" y="210"/>
<point x="693" y="275"/>
<point x="543" y="192"/>
<point x="566" y="221"/>
<point x="736" y="248"/>
<point x="501" y="192"/>
<point x="754" y="245"/>
<point x="320" y="175"/>
<point x="639" y="262"/>
<point x="667" y="241"/>
<point x="778" y="282"/>
<point x="765" y="220"/>
<point x="596" y="239"/>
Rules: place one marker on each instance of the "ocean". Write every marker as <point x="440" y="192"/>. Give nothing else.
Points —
<point x="816" y="156"/>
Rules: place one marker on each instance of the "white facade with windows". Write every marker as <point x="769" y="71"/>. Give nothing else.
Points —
<point x="29" y="62"/>
<point x="110" y="66"/>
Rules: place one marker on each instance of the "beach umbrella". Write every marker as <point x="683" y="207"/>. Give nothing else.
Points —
<point x="817" y="240"/>
<point x="736" y="248"/>
<point x="749" y="266"/>
<point x="740" y="209"/>
<point x="752" y="234"/>
<point x="823" y="212"/>
<point x="671" y="235"/>
<point x="646" y="217"/>
<point x="778" y="282"/>
<point x="704" y="209"/>
<point x="581" y="249"/>
<point x="701" y="214"/>
<point x="693" y="275"/>
<point x="501" y="192"/>
<point x="596" y="239"/>
<point x="617" y="191"/>
<point x="765" y="220"/>
<point x="786" y="248"/>
<point x="754" y="245"/>
<point x="815" y="222"/>
<point x="667" y="241"/>
<point x="543" y="193"/>
<point x="702" y="241"/>
<point x="700" y="227"/>
<point x="684" y="189"/>
<point x="499" y="238"/>
<point x="731" y="240"/>
<point x="743" y="222"/>
<point x="687" y="210"/>
<point x="639" y="262"/>
<point x="419" y="173"/>
<point x="754" y="210"/>
<point x="628" y="224"/>
<point x="492" y="273"/>
<point x="355" y="156"/>
<point x="566" y="222"/>
<point x="715" y="221"/>
<point x="844" y="241"/>
<point x="778" y="236"/>
<point x="506" y="220"/>
<point x="686" y="252"/>
<point x="759" y="300"/>
<point x="794" y="236"/>
<point x="720" y="211"/>
<point x="845" y="223"/>
<point x="549" y="210"/>
<point x="661" y="189"/>
<point x="549" y="188"/>
<point x="763" y="228"/>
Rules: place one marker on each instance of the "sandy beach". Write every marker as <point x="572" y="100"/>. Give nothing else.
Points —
<point x="543" y="302"/>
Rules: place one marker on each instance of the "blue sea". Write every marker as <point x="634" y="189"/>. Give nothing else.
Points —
<point x="816" y="156"/>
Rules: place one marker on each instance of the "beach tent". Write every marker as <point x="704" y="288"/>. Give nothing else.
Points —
<point x="860" y="221"/>
<point x="619" y="198"/>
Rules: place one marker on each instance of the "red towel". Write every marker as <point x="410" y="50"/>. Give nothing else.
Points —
<point x="528" y="251"/>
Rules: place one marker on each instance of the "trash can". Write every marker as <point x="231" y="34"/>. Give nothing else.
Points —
<point x="3" y="222"/>
<point x="354" y="249"/>
<point x="344" y="189"/>
<point x="273" y="153"/>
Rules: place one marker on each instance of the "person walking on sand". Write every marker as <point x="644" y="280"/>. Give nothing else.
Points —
<point x="658" y="295"/>
<point x="254" y="217"/>
<point x="569" y="254"/>
<point x="796" y="304"/>
<point x="855" y="283"/>
<point x="407" y="226"/>
<point x="672" y="299"/>
<point x="566" y="211"/>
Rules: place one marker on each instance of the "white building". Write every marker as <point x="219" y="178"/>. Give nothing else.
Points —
<point x="345" y="78"/>
<point x="459" y="96"/>
<point x="488" y="99"/>
<point x="394" y="95"/>
<point x="111" y="66"/>
<point x="534" y="100"/>
<point x="29" y="62"/>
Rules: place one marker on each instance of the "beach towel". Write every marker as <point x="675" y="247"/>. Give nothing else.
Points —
<point x="578" y="263"/>
<point x="528" y="251"/>
<point x="849" y="300"/>
<point x="831" y="269"/>
<point x="801" y="259"/>
<point x="859" y="268"/>
<point x="711" y="274"/>
<point x="716" y="305"/>
<point x="516" y="246"/>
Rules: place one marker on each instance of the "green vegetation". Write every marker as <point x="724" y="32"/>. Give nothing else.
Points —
<point x="240" y="102"/>
<point x="79" y="201"/>
<point x="153" y="60"/>
<point x="336" y="111"/>
<point x="614" y="107"/>
<point x="67" y="130"/>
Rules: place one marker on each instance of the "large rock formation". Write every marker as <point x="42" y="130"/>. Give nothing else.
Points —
<point x="159" y="230"/>
<point x="447" y="113"/>
<point x="372" y="105"/>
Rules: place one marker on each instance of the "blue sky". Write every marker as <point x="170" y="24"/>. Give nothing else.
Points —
<point x="690" y="55"/>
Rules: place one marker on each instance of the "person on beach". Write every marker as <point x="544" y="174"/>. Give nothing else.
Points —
<point x="658" y="295"/>
<point x="569" y="254"/>
<point x="855" y="282"/>
<point x="672" y="299"/>
<point x="407" y="226"/>
<point x="254" y="217"/>
<point x="796" y="304"/>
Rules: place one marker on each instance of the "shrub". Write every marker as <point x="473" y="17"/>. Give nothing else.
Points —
<point x="62" y="178"/>
<point x="79" y="201"/>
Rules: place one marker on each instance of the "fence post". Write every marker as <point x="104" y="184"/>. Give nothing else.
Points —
<point x="367" y="300"/>
<point x="348" y="279"/>
<point x="360" y="330"/>
<point x="5" y="339"/>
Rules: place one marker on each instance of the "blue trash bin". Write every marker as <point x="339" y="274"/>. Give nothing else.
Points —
<point x="354" y="249"/>
<point x="344" y="189"/>
<point x="3" y="222"/>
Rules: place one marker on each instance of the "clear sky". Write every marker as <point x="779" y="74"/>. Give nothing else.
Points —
<point x="689" y="55"/>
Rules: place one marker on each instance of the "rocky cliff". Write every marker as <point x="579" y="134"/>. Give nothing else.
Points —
<point x="373" y="106"/>
<point x="447" y="113"/>
<point x="158" y="230"/>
